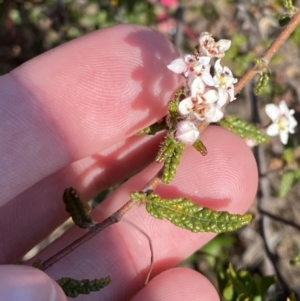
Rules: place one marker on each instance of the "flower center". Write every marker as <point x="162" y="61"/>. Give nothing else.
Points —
<point x="282" y="123"/>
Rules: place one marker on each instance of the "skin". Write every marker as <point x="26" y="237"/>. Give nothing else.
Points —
<point x="68" y="118"/>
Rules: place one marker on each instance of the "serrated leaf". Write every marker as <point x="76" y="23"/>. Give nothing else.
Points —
<point x="154" y="128"/>
<point x="287" y="181"/>
<point x="170" y="152"/>
<point x="184" y="213"/>
<point x="244" y="129"/>
<point x="73" y="288"/>
<point x="77" y="208"/>
<point x="200" y="147"/>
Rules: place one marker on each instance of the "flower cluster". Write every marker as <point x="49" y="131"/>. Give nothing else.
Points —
<point x="207" y="92"/>
<point x="283" y="121"/>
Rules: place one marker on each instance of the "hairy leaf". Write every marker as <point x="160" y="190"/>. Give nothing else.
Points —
<point x="173" y="105"/>
<point x="77" y="208"/>
<point x="154" y="128"/>
<point x="261" y="83"/>
<point x="244" y="129"/>
<point x="184" y="213"/>
<point x="73" y="288"/>
<point x="288" y="4"/>
<point x="170" y="152"/>
<point x="200" y="147"/>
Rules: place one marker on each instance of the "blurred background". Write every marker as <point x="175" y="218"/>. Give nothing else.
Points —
<point x="272" y="242"/>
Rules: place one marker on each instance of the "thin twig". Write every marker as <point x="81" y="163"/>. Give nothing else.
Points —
<point x="98" y="227"/>
<point x="277" y="43"/>
<point x="280" y="219"/>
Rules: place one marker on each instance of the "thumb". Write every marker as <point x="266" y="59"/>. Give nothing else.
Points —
<point x="27" y="284"/>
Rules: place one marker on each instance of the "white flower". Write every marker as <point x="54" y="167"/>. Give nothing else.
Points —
<point x="208" y="46"/>
<point x="224" y="80"/>
<point x="187" y="132"/>
<point x="190" y="65"/>
<point x="283" y="121"/>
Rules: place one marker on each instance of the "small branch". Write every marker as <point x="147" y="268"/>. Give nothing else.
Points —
<point x="277" y="43"/>
<point x="98" y="227"/>
<point x="280" y="219"/>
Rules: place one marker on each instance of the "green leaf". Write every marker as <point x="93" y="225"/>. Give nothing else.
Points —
<point x="244" y="129"/>
<point x="228" y="292"/>
<point x="184" y="213"/>
<point x="73" y="288"/>
<point x="154" y="128"/>
<point x="173" y="105"/>
<point x="261" y="83"/>
<point x="287" y="182"/>
<point x="288" y="4"/>
<point x="170" y="152"/>
<point x="77" y="208"/>
<point x="138" y="195"/>
<point x="200" y="147"/>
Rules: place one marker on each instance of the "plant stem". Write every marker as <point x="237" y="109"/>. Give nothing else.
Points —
<point x="277" y="43"/>
<point x="98" y="227"/>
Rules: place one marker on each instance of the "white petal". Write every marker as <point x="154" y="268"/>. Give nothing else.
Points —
<point x="185" y="106"/>
<point x="204" y="60"/>
<point x="205" y="37"/>
<point x="284" y="108"/>
<point x="218" y="67"/>
<point x="189" y="58"/>
<point x="224" y="45"/>
<point x="178" y="66"/>
<point x="214" y="114"/>
<point x="272" y="130"/>
<point x="292" y="124"/>
<point x="190" y="79"/>
<point x="230" y="91"/>
<point x="284" y="136"/>
<point x="211" y="96"/>
<point x="228" y="72"/>
<point x="197" y="87"/>
<point x="272" y="111"/>
<point x="187" y="132"/>
<point x="223" y="97"/>
<point x="208" y="79"/>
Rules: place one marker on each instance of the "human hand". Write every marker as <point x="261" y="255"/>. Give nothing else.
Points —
<point x="68" y="118"/>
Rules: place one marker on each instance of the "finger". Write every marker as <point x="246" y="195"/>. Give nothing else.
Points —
<point x="176" y="285"/>
<point x="34" y="214"/>
<point x="79" y="99"/>
<point x="225" y="179"/>
<point x="27" y="284"/>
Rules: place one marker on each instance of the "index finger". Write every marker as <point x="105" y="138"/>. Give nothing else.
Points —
<point x="80" y="98"/>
